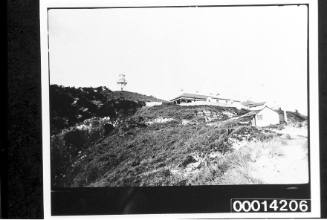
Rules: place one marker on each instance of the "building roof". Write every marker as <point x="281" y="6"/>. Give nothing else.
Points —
<point x="192" y="95"/>
<point x="250" y="103"/>
<point x="254" y="112"/>
<point x="251" y="113"/>
<point x="199" y="96"/>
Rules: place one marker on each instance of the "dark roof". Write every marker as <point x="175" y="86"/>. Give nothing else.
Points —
<point x="190" y="95"/>
<point x="254" y="112"/>
<point x="249" y="103"/>
<point x="251" y="113"/>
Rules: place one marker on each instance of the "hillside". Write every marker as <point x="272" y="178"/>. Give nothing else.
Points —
<point x="70" y="105"/>
<point x="165" y="145"/>
<point x="131" y="96"/>
<point x="293" y="117"/>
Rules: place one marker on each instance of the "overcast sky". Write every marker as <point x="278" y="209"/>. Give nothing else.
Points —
<point x="257" y="53"/>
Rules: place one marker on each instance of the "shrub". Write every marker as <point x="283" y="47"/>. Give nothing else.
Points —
<point x="66" y="147"/>
<point x="69" y="105"/>
<point x="221" y="144"/>
<point x="263" y="137"/>
<point x="189" y="159"/>
<point x="287" y="136"/>
<point x="278" y="126"/>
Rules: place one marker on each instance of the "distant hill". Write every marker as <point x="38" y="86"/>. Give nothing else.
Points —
<point x="70" y="105"/>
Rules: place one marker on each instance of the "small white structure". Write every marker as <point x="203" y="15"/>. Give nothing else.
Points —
<point x="265" y="117"/>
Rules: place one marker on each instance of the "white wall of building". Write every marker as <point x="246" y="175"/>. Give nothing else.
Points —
<point x="266" y="117"/>
<point x="214" y="102"/>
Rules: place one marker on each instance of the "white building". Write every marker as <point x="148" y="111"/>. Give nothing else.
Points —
<point x="264" y="117"/>
<point x="198" y="99"/>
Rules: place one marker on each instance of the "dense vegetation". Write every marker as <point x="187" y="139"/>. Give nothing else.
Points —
<point x="70" y="105"/>
<point x="155" y="155"/>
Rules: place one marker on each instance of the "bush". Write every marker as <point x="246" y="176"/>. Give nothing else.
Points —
<point x="221" y="144"/>
<point x="263" y="137"/>
<point x="278" y="126"/>
<point x="68" y="146"/>
<point x="287" y="136"/>
<point x="189" y="159"/>
<point x="70" y="106"/>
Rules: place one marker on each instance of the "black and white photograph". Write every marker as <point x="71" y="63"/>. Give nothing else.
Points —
<point x="179" y="96"/>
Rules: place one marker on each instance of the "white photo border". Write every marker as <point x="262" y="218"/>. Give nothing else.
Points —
<point x="313" y="98"/>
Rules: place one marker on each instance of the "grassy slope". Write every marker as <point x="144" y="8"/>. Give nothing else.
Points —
<point x="139" y="153"/>
<point x="144" y="156"/>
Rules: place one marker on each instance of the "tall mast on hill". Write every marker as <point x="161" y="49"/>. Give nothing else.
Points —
<point x="122" y="81"/>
